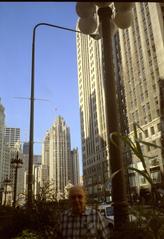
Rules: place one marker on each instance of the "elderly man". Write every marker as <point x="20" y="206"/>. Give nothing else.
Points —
<point x="80" y="221"/>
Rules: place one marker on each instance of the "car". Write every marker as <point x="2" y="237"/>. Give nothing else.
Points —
<point x="107" y="211"/>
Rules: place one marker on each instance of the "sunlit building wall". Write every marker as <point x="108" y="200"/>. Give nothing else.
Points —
<point x="37" y="179"/>
<point x="12" y="136"/>
<point x="95" y="155"/>
<point x="56" y="153"/>
<point x="142" y="57"/>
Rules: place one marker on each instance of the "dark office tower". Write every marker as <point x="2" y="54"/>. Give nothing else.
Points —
<point x="73" y="167"/>
<point x="26" y="148"/>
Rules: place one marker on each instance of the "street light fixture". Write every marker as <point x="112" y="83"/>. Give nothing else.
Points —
<point x="111" y="15"/>
<point x="16" y="163"/>
<point x="32" y="99"/>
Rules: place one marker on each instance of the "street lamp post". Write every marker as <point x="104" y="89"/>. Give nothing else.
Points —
<point x="16" y="163"/>
<point x="105" y="13"/>
<point x="32" y="98"/>
<point x="116" y="162"/>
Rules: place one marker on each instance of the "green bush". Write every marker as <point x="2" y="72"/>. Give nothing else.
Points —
<point x="26" y="234"/>
<point x="39" y="221"/>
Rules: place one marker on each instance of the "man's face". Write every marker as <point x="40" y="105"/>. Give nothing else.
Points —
<point x="78" y="200"/>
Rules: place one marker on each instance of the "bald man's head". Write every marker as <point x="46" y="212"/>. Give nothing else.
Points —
<point x="77" y="196"/>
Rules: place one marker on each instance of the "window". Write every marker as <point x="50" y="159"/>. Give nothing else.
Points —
<point x="140" y="135"/>
<point x="158" y="112"/>
<point x="154" y="87"/>
<point x="145" y="120"/>
<point x="158" y="126"/>
<point x="154" y="142"/>
<point x="156" y="176"/>
<point x="152" y="130"/>
<point x="146" y="93"/>
<point x="146" y="133"/>
<point x="148" y="106"/>
<point x="149" y="117"/>
<point x="148" y="148"/>
<point x="142" y="180"/>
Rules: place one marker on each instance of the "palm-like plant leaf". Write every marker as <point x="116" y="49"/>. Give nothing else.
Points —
<point x="143" y="173"/>
<point x="138" y="147"/>
<point x="148" y="144"/>
<point x="135" y="147"/>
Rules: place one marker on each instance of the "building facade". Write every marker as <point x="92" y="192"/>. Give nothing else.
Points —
<point x="142" y="60"/>
<point x="12" y="145"/>
<point x="2" y="126"/>
<point x="12" y="136"/>
<point x="95" y="156"/>
<point x="56" y="154"/>
<point x="138" y="64"/>
<point x="73" y="167"/>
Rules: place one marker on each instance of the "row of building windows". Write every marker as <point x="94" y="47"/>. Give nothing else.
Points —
<point x="151" y="131"/>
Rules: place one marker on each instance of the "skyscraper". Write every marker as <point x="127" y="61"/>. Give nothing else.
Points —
<point x="142" y="60"/>
<point x="2" y="155"/>
<point x="73" y="167"/>
<point x="12" y="145"/>
<point x="139" y="64"/>
<point x="26" y="148"/>
<point x="92" y="114"/>
<point x="56" y="153"/>
<point x="12" y="136"/>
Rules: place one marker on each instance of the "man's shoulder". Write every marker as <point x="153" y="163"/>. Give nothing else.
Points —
<point x="88" y="211"/>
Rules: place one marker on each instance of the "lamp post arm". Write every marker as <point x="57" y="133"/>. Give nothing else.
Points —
<point x="32" y="99"/>
<point x="54" y="26"/>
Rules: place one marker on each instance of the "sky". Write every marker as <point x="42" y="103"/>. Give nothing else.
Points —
<point x="55" y="68"/>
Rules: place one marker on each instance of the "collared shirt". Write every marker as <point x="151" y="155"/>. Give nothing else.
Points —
<point x="89" y="225"/>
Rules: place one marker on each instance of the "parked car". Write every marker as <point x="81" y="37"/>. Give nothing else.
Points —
<point x="107" y="211"/>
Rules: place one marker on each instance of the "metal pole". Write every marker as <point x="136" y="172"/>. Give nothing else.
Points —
<point x="5" y="194"/>
<point x="119" y="198"/>
<point x="31" y="134"/>
<point x="15" y="185"/>
<point x="30" y="165"/>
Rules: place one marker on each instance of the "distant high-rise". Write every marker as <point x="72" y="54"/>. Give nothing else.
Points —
<point x="73" y="167"/>
<point x="26" y="148"/>
<point x="37" y="169"/>
<point x="56" y="153"/>
<point x="2" y="155"/>
<point x="12" y="144"/>
<point x="12" y="136"/>
<point x="142" y="61"/>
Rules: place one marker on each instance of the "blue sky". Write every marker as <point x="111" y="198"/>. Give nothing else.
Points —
<point x="55" y="67"/>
